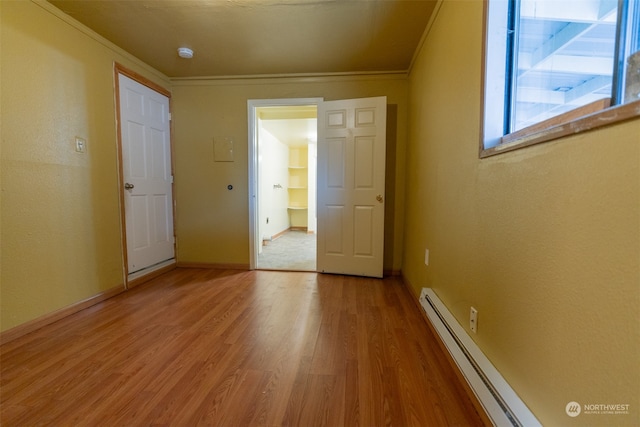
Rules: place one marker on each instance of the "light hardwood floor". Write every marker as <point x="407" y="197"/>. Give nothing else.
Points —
<point x="237" y="348"/>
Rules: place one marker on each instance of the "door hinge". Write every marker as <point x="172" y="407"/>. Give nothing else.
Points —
<point x="171" y="179"/>
<point x="169" y="116"/>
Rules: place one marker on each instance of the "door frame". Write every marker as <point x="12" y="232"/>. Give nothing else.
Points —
<point x="252" y="106"/>
<point x="139" y="277"/>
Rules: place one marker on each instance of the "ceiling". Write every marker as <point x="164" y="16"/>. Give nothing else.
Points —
<point x="292" y="132"/>
<point x="294" y="125"/>
<point x="260" y="37"/>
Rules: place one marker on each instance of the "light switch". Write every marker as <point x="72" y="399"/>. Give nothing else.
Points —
<point x="81" y="145"/>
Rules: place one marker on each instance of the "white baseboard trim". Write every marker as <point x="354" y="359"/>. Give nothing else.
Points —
<point x="499" y="400"/>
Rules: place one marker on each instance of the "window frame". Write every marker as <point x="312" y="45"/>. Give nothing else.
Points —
<point x="495" y="108"/>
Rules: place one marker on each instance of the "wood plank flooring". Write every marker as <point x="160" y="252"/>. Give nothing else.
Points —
<point x="237" y="348"/>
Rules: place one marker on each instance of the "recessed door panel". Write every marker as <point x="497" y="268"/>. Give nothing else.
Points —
<point x="158" y="111"/>
<point x="365" y="117"/>
<point x="136" y="149"/>
<point x="364" y="162"/>
<point x="160" y="167"/>
<point x="161" y="205"/>
<point x="363" y="231"/>
<point x="334" y="164"/>
<point x="336" y="119"/>
<point x="334" y="220"/>
<point x="140" y="210"/>
<point x="133" y="102"/>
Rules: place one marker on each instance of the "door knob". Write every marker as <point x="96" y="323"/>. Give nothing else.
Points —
<point x="379" y="198"/>
<point x="128" y="186"/>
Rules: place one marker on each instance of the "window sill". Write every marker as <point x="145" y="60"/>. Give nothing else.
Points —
<point x="564" y="125"/>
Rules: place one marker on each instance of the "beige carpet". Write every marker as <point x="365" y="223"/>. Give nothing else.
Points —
<point x="294" y="250"/>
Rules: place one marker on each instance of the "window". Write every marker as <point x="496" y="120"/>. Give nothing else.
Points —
<point x="549" y="63"/>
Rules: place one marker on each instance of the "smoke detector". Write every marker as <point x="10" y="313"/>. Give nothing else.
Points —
<point x="185" y="52"/>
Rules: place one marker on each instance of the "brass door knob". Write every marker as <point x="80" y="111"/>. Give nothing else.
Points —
<point x="379" y="198"/>
<point x="128" y="186"/>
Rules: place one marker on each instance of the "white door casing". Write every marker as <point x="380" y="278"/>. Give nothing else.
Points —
<point x="147" y="177"/>
<point x="351" y="184"/>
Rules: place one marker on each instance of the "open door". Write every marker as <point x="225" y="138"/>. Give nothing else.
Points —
<point x="351" y="184"/>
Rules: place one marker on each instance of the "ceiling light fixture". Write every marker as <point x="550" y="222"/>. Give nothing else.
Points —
<point x="185" y="52"/>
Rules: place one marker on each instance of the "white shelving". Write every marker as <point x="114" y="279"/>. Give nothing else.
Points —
<point x="298" y="187"/>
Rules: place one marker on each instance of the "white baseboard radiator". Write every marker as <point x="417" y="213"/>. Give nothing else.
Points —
<point x="500" y="402"/>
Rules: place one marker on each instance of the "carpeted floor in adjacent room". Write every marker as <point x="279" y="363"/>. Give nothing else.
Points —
<point x="294" y="250"/>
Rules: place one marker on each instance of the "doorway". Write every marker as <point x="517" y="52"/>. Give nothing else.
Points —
<point x="283" y="141"/>
<point x="350" y="183"/>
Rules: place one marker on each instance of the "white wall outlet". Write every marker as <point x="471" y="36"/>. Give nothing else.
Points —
<point x="81" y="145"/>
<point x="473" y="320"/>
<point x="426" y="257"/>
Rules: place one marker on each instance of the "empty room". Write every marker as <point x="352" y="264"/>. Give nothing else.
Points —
<point x="468" y="171"/>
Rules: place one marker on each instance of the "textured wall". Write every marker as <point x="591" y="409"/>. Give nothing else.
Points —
<point x="60" y="220"/>
<point x="543" y="241"/>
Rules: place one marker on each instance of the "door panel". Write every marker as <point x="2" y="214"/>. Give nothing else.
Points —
<point x="335" y="162"/>
<point x="351" y="171"/>
<point x="334" y="220"/>
<point x="139" y="214"/>
<point x="364" y="153"/>
<point x="146" y="166"/>
<point x="363" y="231"/>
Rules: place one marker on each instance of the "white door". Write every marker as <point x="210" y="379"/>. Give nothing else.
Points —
<point x="351" y="178"/>
<point x="146" y="171"/>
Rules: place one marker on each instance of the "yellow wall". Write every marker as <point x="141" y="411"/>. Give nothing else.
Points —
<point x="60" y="215"/>
<point x="543" y="241"/>
<point x="213" y="222"/>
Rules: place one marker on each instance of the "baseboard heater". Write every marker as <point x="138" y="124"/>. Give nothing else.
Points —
<point x="501" y="403"/>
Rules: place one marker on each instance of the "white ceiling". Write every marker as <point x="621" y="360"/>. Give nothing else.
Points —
<point x="291" y="125"/>
<point x="260" y="37"/>
<point x="292" y="132"/>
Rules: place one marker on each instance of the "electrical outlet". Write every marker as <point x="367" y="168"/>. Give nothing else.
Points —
<point x="426" y="257"/>
<point x="473" y="320"/>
